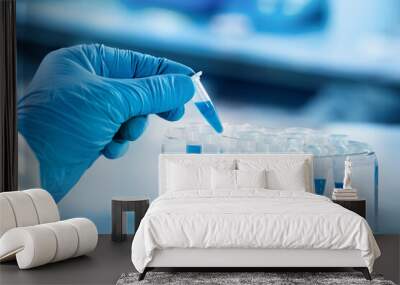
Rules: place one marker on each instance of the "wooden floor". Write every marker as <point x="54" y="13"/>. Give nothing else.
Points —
<point x="110" y="260"/>
<point x="389" y="262"/>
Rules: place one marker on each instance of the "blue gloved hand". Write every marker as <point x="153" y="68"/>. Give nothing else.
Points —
<point x="89" y="100"/>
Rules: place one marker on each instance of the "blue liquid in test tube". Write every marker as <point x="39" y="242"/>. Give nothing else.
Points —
<point x="204" y="104"/>
<point x="319" y="184"/>
<point x="208" y="111"/>
<point x="193" y="148"/>
<point x="339" y="185"/>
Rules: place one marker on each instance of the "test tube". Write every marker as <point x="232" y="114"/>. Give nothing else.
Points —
<point x="193" y="139"/>
<point x="204" y="104"/>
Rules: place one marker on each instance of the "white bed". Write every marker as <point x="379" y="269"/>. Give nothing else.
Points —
<point x="207" y="226"/>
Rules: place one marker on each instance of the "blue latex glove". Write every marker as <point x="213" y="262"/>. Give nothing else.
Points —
<point x="89" y="100"/>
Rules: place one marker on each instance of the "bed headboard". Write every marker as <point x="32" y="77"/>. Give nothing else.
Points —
<point x="165" y="159"/>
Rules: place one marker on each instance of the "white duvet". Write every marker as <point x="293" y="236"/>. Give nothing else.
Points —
<point x="250" y="219"/>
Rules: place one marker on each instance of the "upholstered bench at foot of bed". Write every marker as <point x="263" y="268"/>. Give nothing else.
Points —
<point x="45" y="243"/>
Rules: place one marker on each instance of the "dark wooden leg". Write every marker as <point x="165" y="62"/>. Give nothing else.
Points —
<point x="366" y="274"/>
<point x="143" y="274"/>
<point x="364" y="271"/>
<point x="118" y="221"/>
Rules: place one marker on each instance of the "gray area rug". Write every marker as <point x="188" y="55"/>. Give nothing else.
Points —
<point x="229" y="278"/>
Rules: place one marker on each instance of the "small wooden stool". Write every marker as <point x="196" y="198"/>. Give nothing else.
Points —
<point x="121" y="205"/>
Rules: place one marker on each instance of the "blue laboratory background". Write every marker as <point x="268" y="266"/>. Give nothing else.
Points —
<point x="328" y="64"/>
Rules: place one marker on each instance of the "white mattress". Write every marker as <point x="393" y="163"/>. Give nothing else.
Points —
<point x="251" y="219"/>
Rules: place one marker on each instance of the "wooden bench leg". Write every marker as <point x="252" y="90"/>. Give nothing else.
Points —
<point x="364" y="271"/>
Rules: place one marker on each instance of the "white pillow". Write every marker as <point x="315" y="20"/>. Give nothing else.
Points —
<point x="223" y="179"/>
<point x="282" y="174"/>
<point x="181" y="177"/>
<point x="251" y="178"/>
<point x="292" y="178"/>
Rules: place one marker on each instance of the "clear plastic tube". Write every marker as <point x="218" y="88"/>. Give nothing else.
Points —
<point x="203" y="103"/>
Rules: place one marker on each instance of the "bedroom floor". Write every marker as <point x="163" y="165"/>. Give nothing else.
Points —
<point x="110" y="260"/>
<point x="103" y="266"/>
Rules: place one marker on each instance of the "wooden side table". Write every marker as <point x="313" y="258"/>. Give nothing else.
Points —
<point x="121" y="205"/>
<point x="357" y="206"/>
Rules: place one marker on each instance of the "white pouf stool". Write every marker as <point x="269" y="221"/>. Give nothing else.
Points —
<point x="31" y="230"/>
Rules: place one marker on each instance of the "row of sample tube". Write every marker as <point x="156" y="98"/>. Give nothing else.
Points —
<point x="200" y="138"/>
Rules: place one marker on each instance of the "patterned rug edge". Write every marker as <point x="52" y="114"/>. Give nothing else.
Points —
<point x="268" y="278"/>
